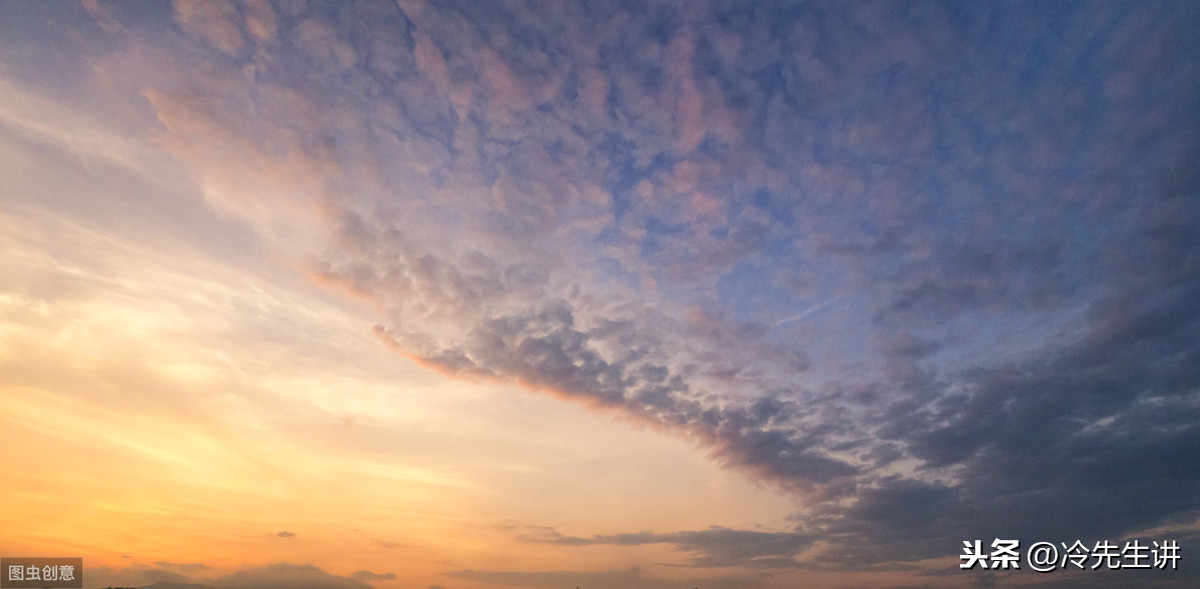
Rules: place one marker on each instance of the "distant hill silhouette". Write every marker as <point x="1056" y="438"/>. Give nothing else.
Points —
<point x="276" y="576"/>
<point x="175" y="585"/>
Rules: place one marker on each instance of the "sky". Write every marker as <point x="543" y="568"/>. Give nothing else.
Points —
<point x="607" y="295"/>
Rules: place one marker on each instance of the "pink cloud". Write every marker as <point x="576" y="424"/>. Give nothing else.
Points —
<point x="215" y="21"/>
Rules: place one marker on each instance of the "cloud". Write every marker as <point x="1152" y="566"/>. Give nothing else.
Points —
<point x="716" y="546"/>
<point x="277" y="576"/>
<point x="1000" y="420"/>
<point x="616" y="211"/>
<point x="260" y="19"/>
<point x="215" y="22"/>
<point x="137" y="576"/>
<point x="632" y="578"/>
<point x="184" y="567"/>
<point x="286" y="534"/>
<point x="286" y="576"/>
<point x="369" y="576"/>
<point x="386" y="543"/>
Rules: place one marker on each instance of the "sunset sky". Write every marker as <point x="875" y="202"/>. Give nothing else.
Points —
<point x="597" y="294"/>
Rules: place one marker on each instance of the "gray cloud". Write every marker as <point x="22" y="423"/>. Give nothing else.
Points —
<point x="973" y="244"/>
<point x="632" y="578"/>
<point x="369" y="576"/>
<point x="716" y="546"/>
<point x="183" y="567"/>
<point x="286" y="576"/>
<point x="386" y="543"/>
<point x="139" y="575"/>
<point x="277" y="576"/>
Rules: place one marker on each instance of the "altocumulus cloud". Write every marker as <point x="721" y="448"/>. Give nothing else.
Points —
<point x="638" y="207"/>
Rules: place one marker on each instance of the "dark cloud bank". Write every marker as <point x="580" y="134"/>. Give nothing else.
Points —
<point x="1030" y="169"/>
